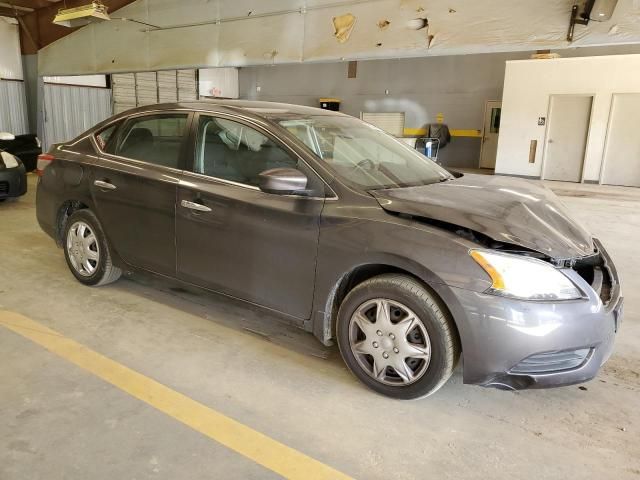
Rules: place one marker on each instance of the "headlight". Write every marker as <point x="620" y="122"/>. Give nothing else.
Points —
<point x="525" y="278"/>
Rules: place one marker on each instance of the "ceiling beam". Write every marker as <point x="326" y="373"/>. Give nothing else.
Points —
<point x="16" y="8"/>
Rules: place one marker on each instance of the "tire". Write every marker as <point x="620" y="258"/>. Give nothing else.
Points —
<point x="418" y="362"/>
<point x="87" y="251"/>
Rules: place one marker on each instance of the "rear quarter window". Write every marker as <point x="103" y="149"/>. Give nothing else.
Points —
<point x="103" y="137"/>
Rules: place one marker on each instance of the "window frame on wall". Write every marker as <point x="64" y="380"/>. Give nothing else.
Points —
<point x="76" y="81"/>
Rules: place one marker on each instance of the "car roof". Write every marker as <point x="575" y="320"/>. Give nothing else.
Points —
<point x="268" y="110"/>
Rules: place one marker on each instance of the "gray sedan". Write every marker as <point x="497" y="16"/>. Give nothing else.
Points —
<point x="344" y="231"/>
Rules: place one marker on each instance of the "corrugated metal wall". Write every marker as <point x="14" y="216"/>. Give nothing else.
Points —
<point x="13" y="108"/>
<point x="69" y="111"/>
<point x="146" y="88"/>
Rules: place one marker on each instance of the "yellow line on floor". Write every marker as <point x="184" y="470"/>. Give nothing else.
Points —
<point x="254" y="445"/>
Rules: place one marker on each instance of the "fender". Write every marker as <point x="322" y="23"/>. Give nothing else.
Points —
<point x="330" y="293"/>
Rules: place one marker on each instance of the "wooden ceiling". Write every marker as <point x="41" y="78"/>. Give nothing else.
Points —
<point x="37" y="29"/>
<point x="23" y="5"/>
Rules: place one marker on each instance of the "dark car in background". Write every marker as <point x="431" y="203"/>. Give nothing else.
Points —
<point x="13" y="179"/>
<point x="26" y="147"/>
<point x="347" y="233"/>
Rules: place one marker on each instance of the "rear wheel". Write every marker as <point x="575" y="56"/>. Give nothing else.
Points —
<point x="396" y="337"/>
<point x="87" y="251"/>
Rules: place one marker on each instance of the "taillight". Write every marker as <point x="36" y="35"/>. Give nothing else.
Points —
<point x="44" y="160"/>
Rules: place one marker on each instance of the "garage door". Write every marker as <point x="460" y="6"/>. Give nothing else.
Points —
<point x="132" y="90"/>
<point x="622" y="152"/>
<point x="390" y="122"/>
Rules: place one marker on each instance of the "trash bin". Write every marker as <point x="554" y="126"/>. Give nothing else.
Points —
<point x="428" y="146"/>
<point x="330" y="104"/>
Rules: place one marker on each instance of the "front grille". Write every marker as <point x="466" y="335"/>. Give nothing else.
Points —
<point x="4" y="187"/>
<point x="552" y="361"/>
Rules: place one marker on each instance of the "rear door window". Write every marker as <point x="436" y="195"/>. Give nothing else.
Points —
<point x="155" y="139"/>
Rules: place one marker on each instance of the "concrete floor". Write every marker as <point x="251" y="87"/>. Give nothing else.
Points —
<point x="60" y="422"/>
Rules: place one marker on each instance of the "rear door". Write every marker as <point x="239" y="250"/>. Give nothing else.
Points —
<point x="134" y="187"/>
<point x="236" y="239"/>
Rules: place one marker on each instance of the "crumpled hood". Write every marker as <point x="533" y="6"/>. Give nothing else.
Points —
<point x="505" y="209"/>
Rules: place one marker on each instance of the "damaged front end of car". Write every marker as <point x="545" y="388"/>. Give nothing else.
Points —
<point x="553" y="304"/>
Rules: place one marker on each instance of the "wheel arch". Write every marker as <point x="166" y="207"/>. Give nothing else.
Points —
<point x="364" y="271"/>
<point x="66" y="209"/>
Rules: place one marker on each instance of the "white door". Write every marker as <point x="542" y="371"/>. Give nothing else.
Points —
<point x="622" y="152"/>
<point x="491" y="129"/>
<point x="569" y="119"/>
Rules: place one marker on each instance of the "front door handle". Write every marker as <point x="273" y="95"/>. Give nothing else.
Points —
<point x="105" y="185"/>
<point x="195" y="206"/>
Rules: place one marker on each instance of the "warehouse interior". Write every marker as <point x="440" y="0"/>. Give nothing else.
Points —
<point x="153" y="377"/>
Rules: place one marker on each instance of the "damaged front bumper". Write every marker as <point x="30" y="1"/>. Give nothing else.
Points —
<point x="514" y="344"/>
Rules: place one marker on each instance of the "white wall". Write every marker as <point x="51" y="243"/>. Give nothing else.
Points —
<point x="528" y="85"/>
<point x="10" y="59"/>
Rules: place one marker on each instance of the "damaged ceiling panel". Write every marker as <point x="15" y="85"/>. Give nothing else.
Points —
<point x="211" y="33"/>
<point x="343" y="26"/>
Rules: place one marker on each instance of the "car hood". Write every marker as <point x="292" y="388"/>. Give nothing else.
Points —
<point x="510" y="210"/>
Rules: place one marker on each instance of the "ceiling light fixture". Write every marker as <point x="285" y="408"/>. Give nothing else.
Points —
<point x="81" y="16"/>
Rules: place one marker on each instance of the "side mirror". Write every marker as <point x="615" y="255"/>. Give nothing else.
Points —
<point x="7" y="136"/>
<point x="282" y="181"/>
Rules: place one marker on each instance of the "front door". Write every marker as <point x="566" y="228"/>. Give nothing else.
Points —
<point x="134" y="188"/>
<point x="491" y="130"/>
<point x="569" y="120"/>
<point x="235" y="239"/>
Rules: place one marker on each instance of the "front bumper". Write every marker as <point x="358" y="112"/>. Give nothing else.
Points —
<point x="13" y="182"/>
<point x="498" y="334"/>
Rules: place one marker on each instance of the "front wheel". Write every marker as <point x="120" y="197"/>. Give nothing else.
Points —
<point x="396" y="338"/>
<point x="87" y="251"/>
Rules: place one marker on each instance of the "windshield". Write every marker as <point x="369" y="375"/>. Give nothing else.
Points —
<point x="362" y="154"/>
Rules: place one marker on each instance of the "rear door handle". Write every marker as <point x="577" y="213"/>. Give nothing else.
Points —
<point x="195" y="206"/>
<point x="105" y="185"/>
